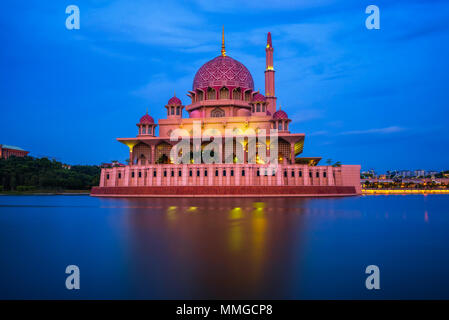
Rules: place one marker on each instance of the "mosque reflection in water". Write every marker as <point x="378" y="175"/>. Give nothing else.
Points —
<point x="223" y="248"/>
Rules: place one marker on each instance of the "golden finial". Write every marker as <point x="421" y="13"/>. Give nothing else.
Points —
<point x="223" y="51"/>
<point x="174" y="93"/>
<point x="147" y="110"/>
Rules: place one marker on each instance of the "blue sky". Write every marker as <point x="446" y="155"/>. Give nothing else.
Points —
<point x="378" y="98"/>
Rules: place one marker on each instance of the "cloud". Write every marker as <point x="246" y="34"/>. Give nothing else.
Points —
<point x="318" y="133"/>
<point x="162" y="84"/>
<point x="307" y="115"/>
<point x="260" y="5"/>
<point x="387" y="130"/>
<point x="164" y="23"/>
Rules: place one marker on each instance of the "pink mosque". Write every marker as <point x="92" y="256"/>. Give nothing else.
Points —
<point x="223" y="97"/>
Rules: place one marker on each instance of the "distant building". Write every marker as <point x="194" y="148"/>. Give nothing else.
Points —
<point x="420" y="173"/>
<point x="405" y="173"/>
<point x="8" y="151"/>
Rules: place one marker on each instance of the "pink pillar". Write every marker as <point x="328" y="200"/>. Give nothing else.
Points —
<point x="153" y="154"/>
<point x="126" y="177"/>
<point x="102" y="178"/>
<point x="279" y="174"/>
<point x="292" y="153"/>
<point x="306" y="175"/>
<point x="330" y="176"/>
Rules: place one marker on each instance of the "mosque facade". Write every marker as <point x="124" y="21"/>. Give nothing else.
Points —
<point x="223" y="101"/>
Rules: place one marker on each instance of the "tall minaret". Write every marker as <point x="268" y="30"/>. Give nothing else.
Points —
<point x="269" y="76"/>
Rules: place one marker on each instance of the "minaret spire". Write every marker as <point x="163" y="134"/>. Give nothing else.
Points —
<point x="223" y="51"/>
<point x="269" y="76"/>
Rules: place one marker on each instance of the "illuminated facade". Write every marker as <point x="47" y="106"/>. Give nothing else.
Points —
<point x="223" y="98"/>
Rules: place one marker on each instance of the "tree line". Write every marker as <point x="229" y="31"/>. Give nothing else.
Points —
<point x="29" y="173"/>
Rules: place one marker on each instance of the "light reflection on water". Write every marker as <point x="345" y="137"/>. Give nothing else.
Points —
<point x="224" y="247"/>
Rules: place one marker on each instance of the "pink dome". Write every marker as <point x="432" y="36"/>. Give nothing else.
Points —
<point x="146" y="119"/>
<point x="174" y="101"/>
<point x="223" y="71"/>
<point x="280" y="114"/>
<point x="259" y="98"/>
<point x="195" y="114"/>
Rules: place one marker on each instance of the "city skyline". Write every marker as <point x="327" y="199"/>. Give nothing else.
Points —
<point x="374" y="97"/>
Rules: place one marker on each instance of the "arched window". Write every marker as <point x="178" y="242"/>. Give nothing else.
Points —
<point x="144" y="130"/>
<point x="258" y="107"/>
<point x="247" y="95"/>
<point x="211" y="94"/>
<point x="263" y="108"/>
<point x="217" y="113"/>
<point x="177" y="111"/>
<point x="200" y="95"/>
<point x="237" y="94"/>
<point x="280" y="125"/>
<point x="224" y="93"/>
<point x="172" y="110"/>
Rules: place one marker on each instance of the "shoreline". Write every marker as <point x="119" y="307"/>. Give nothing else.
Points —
<point x="405" y="191"/>
<point x="44" y="193"/>
<point x="364" y="192"/>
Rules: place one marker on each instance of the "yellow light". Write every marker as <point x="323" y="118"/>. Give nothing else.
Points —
<point x="130" y="145"/>
<point x="235" y="213"/>
<point x="259" y="205"/>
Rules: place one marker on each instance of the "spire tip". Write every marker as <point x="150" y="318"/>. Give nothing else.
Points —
<point x="223" y="51"/>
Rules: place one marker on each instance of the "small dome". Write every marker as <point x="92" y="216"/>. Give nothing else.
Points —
<point x="195" y="114"/>
<point x="242" y="112"/>
<point x="146" y="119"/>
<point x="280" y="114"/>
<point x="259" y="98"/>
<point x="174" y="101"/>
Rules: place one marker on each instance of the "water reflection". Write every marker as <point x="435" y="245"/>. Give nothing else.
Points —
<point x="214" y="248"/>
<point x="315" y="248"/>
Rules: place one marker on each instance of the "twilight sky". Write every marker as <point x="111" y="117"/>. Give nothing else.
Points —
<point x="379" y="98"/>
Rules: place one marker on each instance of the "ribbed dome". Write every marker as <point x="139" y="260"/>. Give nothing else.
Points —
<point x="223" y="71"/>
<point x="146" y="119"/>
<point x="174" y="101"/>
<point x="280" y="114"/>
<point x="259" y="98"/>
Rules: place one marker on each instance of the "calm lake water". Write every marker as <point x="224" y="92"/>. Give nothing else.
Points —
<point x="311" y="248"/>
